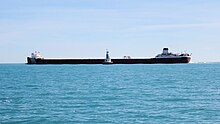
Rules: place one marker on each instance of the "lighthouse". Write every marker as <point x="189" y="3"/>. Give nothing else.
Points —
<point x="107" y="58"/>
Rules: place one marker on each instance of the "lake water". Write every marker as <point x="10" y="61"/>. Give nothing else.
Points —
<point x="176" y="93"/>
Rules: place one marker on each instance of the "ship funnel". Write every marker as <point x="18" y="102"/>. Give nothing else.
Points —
<point x="165" y="51"/>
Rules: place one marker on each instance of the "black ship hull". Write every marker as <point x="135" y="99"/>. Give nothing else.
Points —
<point x="114" y="61"/>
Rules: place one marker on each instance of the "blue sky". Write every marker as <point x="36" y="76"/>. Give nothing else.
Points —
<point x="86" y="28"/>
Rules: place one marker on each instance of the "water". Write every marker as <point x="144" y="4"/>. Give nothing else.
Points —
<point x="182" y="93"/>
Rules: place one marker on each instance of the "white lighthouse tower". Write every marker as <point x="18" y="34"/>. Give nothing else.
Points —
<point x="107" y="58"/>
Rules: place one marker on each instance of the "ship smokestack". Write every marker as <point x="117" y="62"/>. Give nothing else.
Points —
<point x="165" y="51"/>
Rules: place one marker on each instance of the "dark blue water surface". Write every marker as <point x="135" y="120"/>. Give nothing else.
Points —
<point x="178" y="93"/>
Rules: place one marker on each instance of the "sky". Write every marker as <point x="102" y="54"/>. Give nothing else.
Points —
<point x="86" y="28"/>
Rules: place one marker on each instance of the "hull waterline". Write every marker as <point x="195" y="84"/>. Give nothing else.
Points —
<point x="113" y="61"/>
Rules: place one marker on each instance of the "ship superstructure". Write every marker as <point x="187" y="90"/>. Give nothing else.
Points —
<point x="166" y="54"/>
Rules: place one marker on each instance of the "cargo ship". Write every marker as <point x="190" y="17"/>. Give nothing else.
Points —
<point x="164" y="58"/>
